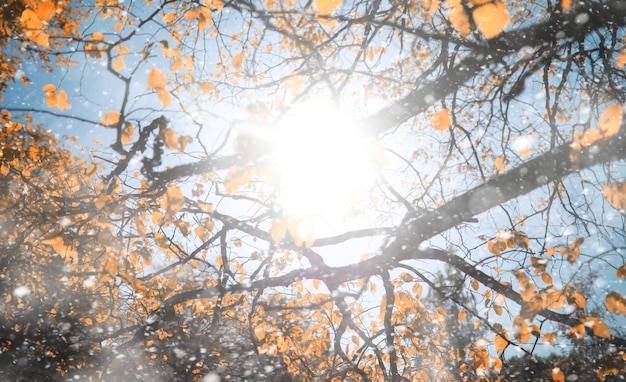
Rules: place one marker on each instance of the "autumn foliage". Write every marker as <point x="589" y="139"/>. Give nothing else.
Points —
<point x="314" y="191"/>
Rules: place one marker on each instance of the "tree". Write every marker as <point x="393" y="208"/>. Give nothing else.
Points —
<point x="263" y="189"/>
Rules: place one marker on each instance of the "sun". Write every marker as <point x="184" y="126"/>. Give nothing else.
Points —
<point x="324" y="164"/>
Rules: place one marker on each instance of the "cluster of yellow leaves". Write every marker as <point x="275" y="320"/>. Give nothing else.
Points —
<point x="549" y="297"/>
<point x="597" y="327"/>
<point x="490" y="17"/>
<point x="94" y="49"/>
<point x="609" y="124"/>
<point x="56" y="98"/>
<point x="202" y="15"/>
<point x="118" y="62"/>
<point x="35" y="20"/>
<point x="572" y="253"/>
<point x="173" y="199"/>
<point x="157" y="82"/>
<point x="173" y="141"/>
<point x="235" y="178"/>
<point x="507" y="239"/>
<point x="301" y="231"/>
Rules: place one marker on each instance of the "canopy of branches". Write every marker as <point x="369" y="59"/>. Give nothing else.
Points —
<point x="325" y="190"/>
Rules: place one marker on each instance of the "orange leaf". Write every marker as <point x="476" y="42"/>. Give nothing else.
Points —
<point x="616" y="194"/>
<point x="491" y="18"/>
<point x="127" y="134"/>
<point x="501" y="343"/>
<point x="51" y="97"/>
<point x="279" y="228"/>
<point x="164" y="96"/>
<point x="621" y="59"/>
<point x="45" y="10"/>
<point x="499" y="162"/>
<point x="458" y="18"/>
<point x="324" y="7"/>
<point x="110" y="118"/>
<point x="546" y="278"/>
<point x="170" y="138"/>
<point x="62" y="103"/>
<point x="237" y="61"/>
<point x="615" y="303"/>
<point x="441" y="120"/>
<point x="557" y="375"/>
<point x="118" y="65"/>
<point x="259" y="331"/>
<point x="156" y="79"/>
<point x="206" y="87"/>
<point x="621" y="272"/>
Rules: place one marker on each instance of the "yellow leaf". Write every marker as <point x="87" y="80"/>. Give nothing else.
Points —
<point x="325" y="7"/>
<point x="610" y="121"/>
<point x="499" y="162"/>
<point x="279" y="228"/>
<point x="474" y="284"/>
<point x="491" y="18"/>
<point x="237" y="61"/>
<point x="110" y="118"/>
<point x="201" y="233"/>
<point x="209" y="224"/>
<point x="500" y="342"/>
<point x="316" y="284"/>
<point x="441" y="120"/>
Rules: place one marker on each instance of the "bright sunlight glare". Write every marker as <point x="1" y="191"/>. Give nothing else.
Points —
<point x="324" y="164"/>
